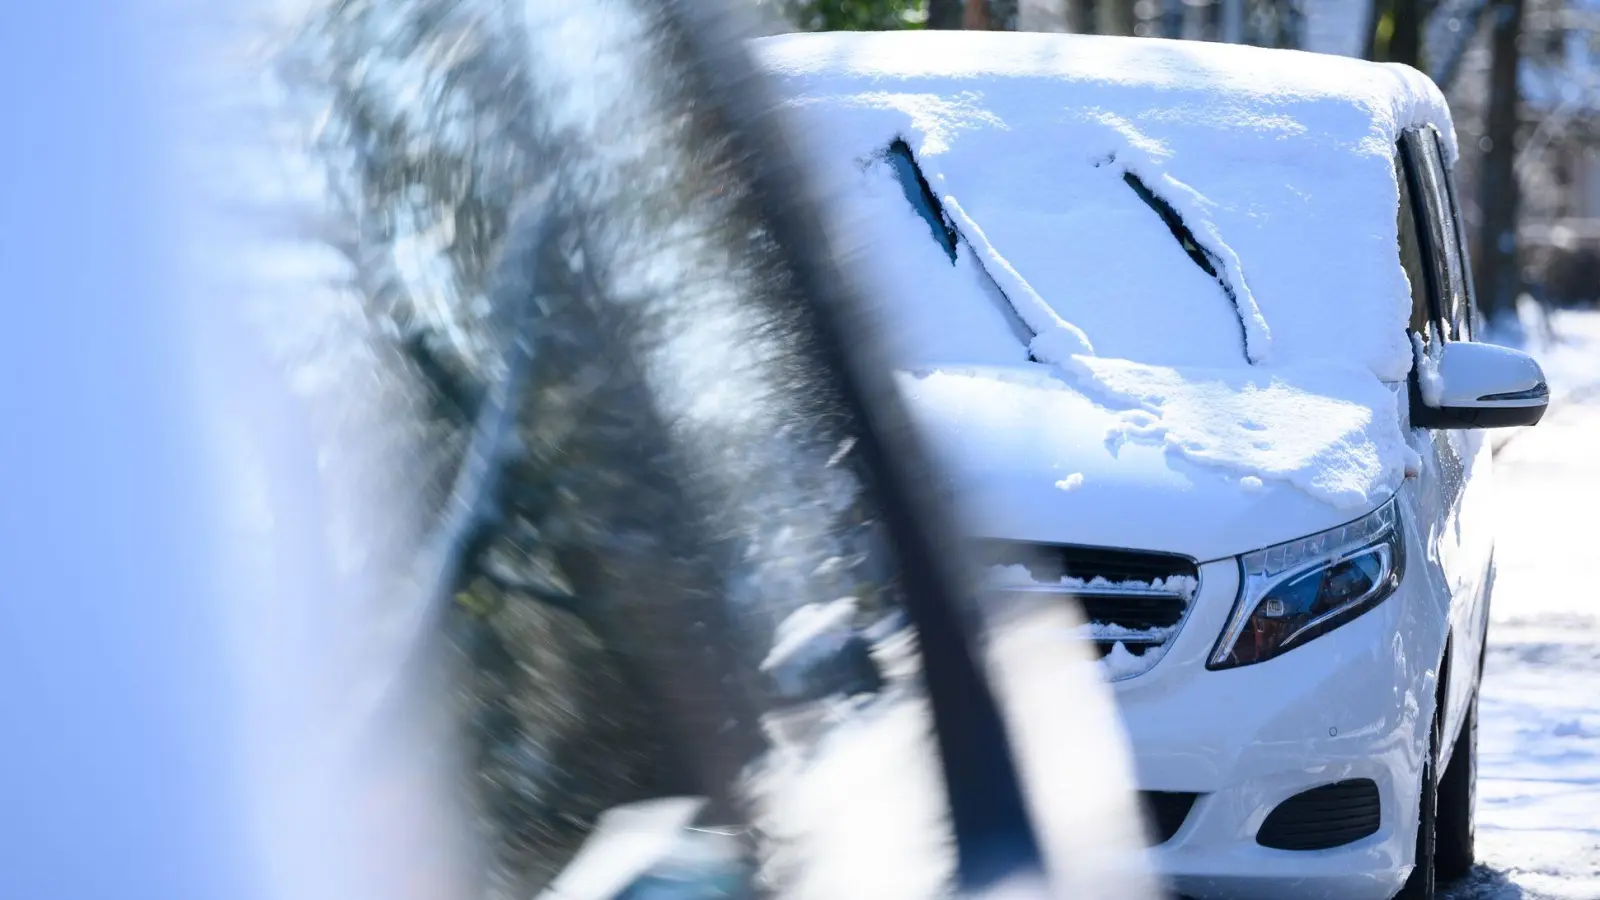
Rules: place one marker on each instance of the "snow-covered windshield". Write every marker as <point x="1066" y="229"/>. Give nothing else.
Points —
<point x="1281" y="173"/>
<point x="1130" y="272"/>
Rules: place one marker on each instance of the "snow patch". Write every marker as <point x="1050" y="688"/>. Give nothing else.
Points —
<point x="1427" y="356"/>
<point x="1330" y="430"/>
<point x="1120" y="664"/>
<point x="1013" y="575"/>
<point x="1194" y="209"/>
<point x="807" y="638"/>
<point x="1054" y="339"/>
<point x="869" y="791"/>
<point x="1158" y="460"/>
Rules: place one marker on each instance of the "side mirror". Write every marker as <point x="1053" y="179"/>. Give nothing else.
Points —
<point x="1468" y="385"/>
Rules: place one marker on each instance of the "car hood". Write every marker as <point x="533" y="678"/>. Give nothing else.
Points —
<point x="1029" y="456"/>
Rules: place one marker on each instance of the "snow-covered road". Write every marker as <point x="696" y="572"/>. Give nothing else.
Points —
<point x="1539" y="777"/>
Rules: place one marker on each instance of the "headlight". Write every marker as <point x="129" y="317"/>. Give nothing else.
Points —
<point x="1294" y="592"/>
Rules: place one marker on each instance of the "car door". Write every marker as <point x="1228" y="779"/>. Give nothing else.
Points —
<point x="1453" y="483"/>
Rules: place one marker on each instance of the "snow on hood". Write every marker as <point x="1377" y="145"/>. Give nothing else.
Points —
<point x="1218" y="466"/>
<point x="1258" y="352"/>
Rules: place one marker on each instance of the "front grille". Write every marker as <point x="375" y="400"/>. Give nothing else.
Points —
<point x="1119" y="565"/>
<point x="1132" y="598"/>
<point x="1166" y="812"/>
<point x="1329" y="816"/>
<point x="1131" y="610"/>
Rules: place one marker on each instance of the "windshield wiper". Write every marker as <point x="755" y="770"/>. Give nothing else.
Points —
<point x="927" y="205"/>
<point x="921" y="197"/>
<point x="1204" y="258"/>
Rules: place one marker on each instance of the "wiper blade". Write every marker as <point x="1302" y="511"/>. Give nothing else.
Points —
<point x="1202" y="256"/>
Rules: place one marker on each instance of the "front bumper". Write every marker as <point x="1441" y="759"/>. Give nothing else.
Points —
<point x="1354" y="703"/>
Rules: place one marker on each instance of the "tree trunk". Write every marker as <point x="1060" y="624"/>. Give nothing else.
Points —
<point x="1233" y="21"/>
<point x="975" y="15"/>
<point x="944" y="14"/>
<point x="1448" y="65"/>
<point x="1003" y="15"/>
<point x="1405" y="44"/>
<point x="1171" y="24"/>
<point x="1499" y="271"/>
<point x="1075" y="16"/>
<point x="1394" y="33"/>
<point x="1114" y="16"/>
<point x="1050" y="15"/>
<point x="1372" y="46"/>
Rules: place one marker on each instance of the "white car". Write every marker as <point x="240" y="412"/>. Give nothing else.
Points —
<point x="1192" y="327"/>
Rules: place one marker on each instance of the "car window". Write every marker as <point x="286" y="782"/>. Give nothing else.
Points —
<point x="1440" y="249"/>
<point x="1467" y="315"/>
<point x="1411" y="258"/>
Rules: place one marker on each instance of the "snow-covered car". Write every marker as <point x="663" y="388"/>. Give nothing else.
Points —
<point x="1191" y="327"/>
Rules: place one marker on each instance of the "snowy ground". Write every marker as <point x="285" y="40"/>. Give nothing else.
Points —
<point x="1539" y="778"/>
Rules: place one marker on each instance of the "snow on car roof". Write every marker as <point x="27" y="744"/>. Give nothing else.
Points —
<point x="1182" y="205"/>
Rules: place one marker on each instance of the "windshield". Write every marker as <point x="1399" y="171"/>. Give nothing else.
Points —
<point x="1108" y="254"/>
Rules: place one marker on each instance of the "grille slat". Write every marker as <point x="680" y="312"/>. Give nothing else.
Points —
<point x="1127" y="597"/>
<point x="1121" y="565"/>
<point x="1133" y="612"/>
<point x="1338" y="815"/>
<point x="1352" y="821"/>
<point x="1326" y="811"/>
<point x="1327" y="821"/>
<point x="1050" y="562"/>
<point x="1329" y="816"/>
<point x="1324" y="834"/>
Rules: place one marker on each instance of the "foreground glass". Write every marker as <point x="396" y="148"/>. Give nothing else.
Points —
<point x="625" y="540"/>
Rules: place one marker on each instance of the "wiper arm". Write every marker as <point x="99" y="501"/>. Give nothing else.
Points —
<point x="1054" y="338"/>
<point x="1202" y="255"/>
